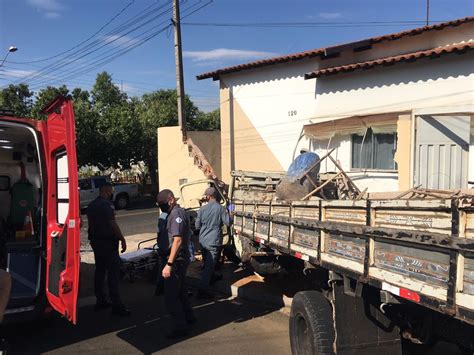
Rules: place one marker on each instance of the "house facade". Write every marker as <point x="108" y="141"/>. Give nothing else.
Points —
<point x="398" y="109"/>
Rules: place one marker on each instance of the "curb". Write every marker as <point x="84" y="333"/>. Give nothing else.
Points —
<point x="247" y="292"/>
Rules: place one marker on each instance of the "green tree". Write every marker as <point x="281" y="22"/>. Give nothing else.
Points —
<point x="17" y="98"/>
<point x="44" y="97"/>
<point x="208" y="121"/>
<point x="159" y="109"/>
<point x="117" y="127"/>
<point x="89" y="141"/>
<point x="105" y="94"/>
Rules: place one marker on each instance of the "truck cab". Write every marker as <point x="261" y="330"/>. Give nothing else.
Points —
<point x="39" y="212"/>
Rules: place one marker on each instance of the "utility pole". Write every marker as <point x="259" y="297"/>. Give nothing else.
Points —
<point x="179" y="69"/>
<point x="427" y="12"/>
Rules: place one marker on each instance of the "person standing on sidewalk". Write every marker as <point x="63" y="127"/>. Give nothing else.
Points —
<point x="174" y="272"/>
<point x="163" y="250"/>
<point x="210" y="219"/>
<point x="104" y="236"/>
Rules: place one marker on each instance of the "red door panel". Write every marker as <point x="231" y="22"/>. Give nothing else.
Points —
<point x="62" y="209"/>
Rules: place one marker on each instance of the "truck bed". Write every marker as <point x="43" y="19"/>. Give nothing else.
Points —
<point x="420" y="250"/>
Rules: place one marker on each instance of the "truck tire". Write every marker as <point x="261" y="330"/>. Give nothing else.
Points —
<point x="121" y="201"/>
<point x="311" y="324"/>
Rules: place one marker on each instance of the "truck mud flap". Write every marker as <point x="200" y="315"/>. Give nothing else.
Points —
<point x="360" y="326"/>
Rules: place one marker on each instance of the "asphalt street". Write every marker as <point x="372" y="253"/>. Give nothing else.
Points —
<point x="139" y="218"/>
<point x="225" y="325"/>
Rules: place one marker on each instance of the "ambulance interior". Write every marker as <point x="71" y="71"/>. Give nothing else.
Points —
<point x="20" y="211"/>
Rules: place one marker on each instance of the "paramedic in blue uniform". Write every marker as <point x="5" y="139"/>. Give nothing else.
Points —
<point x="104" y="236"/>
<point x="174" y="272"/>
<point x="210" y="219"/>
<point x="163" y="250"/>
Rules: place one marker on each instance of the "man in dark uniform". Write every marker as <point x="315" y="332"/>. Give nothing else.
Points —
<point x="174" y="272"/>
<point x="163" y="250"/>
<point x="104" y="236"/>
<point x="210" y="219"/>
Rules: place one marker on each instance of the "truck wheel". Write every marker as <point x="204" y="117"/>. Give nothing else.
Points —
<point x="311" y="324"/>
<point x="121" y="201"/>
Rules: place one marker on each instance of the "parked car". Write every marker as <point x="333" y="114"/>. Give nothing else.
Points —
<point x="123" y="193"/>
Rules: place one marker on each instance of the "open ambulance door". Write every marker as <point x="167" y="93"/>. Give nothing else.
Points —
<point x="62" y="209"/>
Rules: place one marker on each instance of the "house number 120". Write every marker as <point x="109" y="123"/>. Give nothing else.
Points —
<point x="292" y="113"/>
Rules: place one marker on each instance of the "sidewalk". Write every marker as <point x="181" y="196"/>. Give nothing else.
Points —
<point x="243" y="283"/>
<point x="236" y="281"/>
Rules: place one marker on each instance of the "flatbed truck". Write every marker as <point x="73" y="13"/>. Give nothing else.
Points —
<point x="390" y="275"/>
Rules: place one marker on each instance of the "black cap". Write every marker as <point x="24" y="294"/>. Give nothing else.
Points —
<point x="164" y="195"/>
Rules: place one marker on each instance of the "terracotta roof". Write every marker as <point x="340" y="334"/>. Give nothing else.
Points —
<point x="408" y="57"/>
<point x="333" y="49"/>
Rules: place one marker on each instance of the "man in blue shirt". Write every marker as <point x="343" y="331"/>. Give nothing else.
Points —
<point x="210" y="219"/>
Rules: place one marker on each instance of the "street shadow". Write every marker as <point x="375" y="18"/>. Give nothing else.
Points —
<point x="145" y="330"/>
<point x="211" y="315"/>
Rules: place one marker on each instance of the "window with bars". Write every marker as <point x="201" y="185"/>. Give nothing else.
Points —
<point x="374" y="151"/>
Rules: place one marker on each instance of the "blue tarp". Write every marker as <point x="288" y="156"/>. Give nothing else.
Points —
<point x="301" y="164"/>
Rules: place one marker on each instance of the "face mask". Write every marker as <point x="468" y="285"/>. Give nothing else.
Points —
<point x="164" y="207"/>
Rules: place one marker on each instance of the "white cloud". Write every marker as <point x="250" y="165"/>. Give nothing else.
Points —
<point x="223" y="54"/>
<point x="52" y="14"/>
<point x="48" y="5"/>
<point x="17" y="73"/>
<point x="50" y="8"/>
<point x="120" y="41"/>
<point x="330" y="15"/>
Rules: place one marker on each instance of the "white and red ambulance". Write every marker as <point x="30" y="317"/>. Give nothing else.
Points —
<point x="39" y="211"/>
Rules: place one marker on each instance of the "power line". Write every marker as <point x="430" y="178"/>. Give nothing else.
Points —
<point x="89" y="49"/>
<point x="142" y="86"/>
<point x="132" y="43"/>
<point x="305" y="24"/>
<point x="82" y="42"/>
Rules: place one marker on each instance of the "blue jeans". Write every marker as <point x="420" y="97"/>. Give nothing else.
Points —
<point x="210" y="256"/>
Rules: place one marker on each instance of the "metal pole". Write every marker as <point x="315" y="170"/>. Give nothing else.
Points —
<point x="179" y="68"/>
<point x="427" y="12"/>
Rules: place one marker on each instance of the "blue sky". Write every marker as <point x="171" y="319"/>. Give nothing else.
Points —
<point x="46" y="28"/>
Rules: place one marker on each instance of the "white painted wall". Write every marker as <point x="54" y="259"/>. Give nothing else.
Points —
<point x="268" y="95"/>
<point x="447" y="81"/>
<point x="278" y="101"/>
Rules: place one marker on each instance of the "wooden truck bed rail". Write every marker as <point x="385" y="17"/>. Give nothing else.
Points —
<point x="421" y="250"/>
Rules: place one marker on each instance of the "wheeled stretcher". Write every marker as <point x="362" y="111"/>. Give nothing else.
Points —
<point x="140" y="262"/>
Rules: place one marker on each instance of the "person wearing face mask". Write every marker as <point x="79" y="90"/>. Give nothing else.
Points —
<point x="104" y="236"/>
<point x="174" y="272"/>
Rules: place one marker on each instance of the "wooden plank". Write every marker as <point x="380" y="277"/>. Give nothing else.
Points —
<point x="321" y="186"/>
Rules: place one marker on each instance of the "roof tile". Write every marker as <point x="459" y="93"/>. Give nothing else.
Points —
<point x="408" y="57"/>
<point x="321" y="51"/>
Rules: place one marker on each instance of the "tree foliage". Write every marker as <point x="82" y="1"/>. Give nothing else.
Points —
<point x="17" y="98"/>
<point x="112" y="129"/>
<point x="44" y="97"/>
